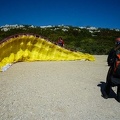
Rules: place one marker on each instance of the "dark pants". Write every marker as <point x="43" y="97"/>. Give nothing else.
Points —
<point x="118" y="93"/>
<point x="109" y="83"/>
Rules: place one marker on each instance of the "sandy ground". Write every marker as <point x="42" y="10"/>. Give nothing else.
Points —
<point x="62" y="90"/>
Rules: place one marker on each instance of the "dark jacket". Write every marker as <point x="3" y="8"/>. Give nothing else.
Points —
<point x="111" y="57"/>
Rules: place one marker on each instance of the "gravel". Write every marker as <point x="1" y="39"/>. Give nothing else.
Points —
<point x="57" y="90"/>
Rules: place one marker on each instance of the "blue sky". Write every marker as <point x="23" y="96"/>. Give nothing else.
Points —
<point x="96" y="13"/>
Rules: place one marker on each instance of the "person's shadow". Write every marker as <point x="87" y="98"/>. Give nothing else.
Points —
<point x="102" y="87"/>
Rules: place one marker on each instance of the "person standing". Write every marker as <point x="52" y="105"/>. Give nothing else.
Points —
<point x="111" y="62"/>
<point x="60" y="42"/>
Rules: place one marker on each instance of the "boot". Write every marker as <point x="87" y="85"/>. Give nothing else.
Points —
<point x="118" y="93"/>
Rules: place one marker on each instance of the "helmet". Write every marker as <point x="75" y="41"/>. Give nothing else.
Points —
<point x="117" y="41"/>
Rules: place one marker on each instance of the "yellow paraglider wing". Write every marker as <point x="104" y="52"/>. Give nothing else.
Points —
<point x="26" y="47"/>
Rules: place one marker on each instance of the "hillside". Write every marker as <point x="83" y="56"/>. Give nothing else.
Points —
<point x="85" y="39"/>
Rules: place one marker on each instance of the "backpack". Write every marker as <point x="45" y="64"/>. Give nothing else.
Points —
<point x="116" y="70"/>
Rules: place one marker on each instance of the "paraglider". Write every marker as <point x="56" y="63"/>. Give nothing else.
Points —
<point x="31" y="47"/>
